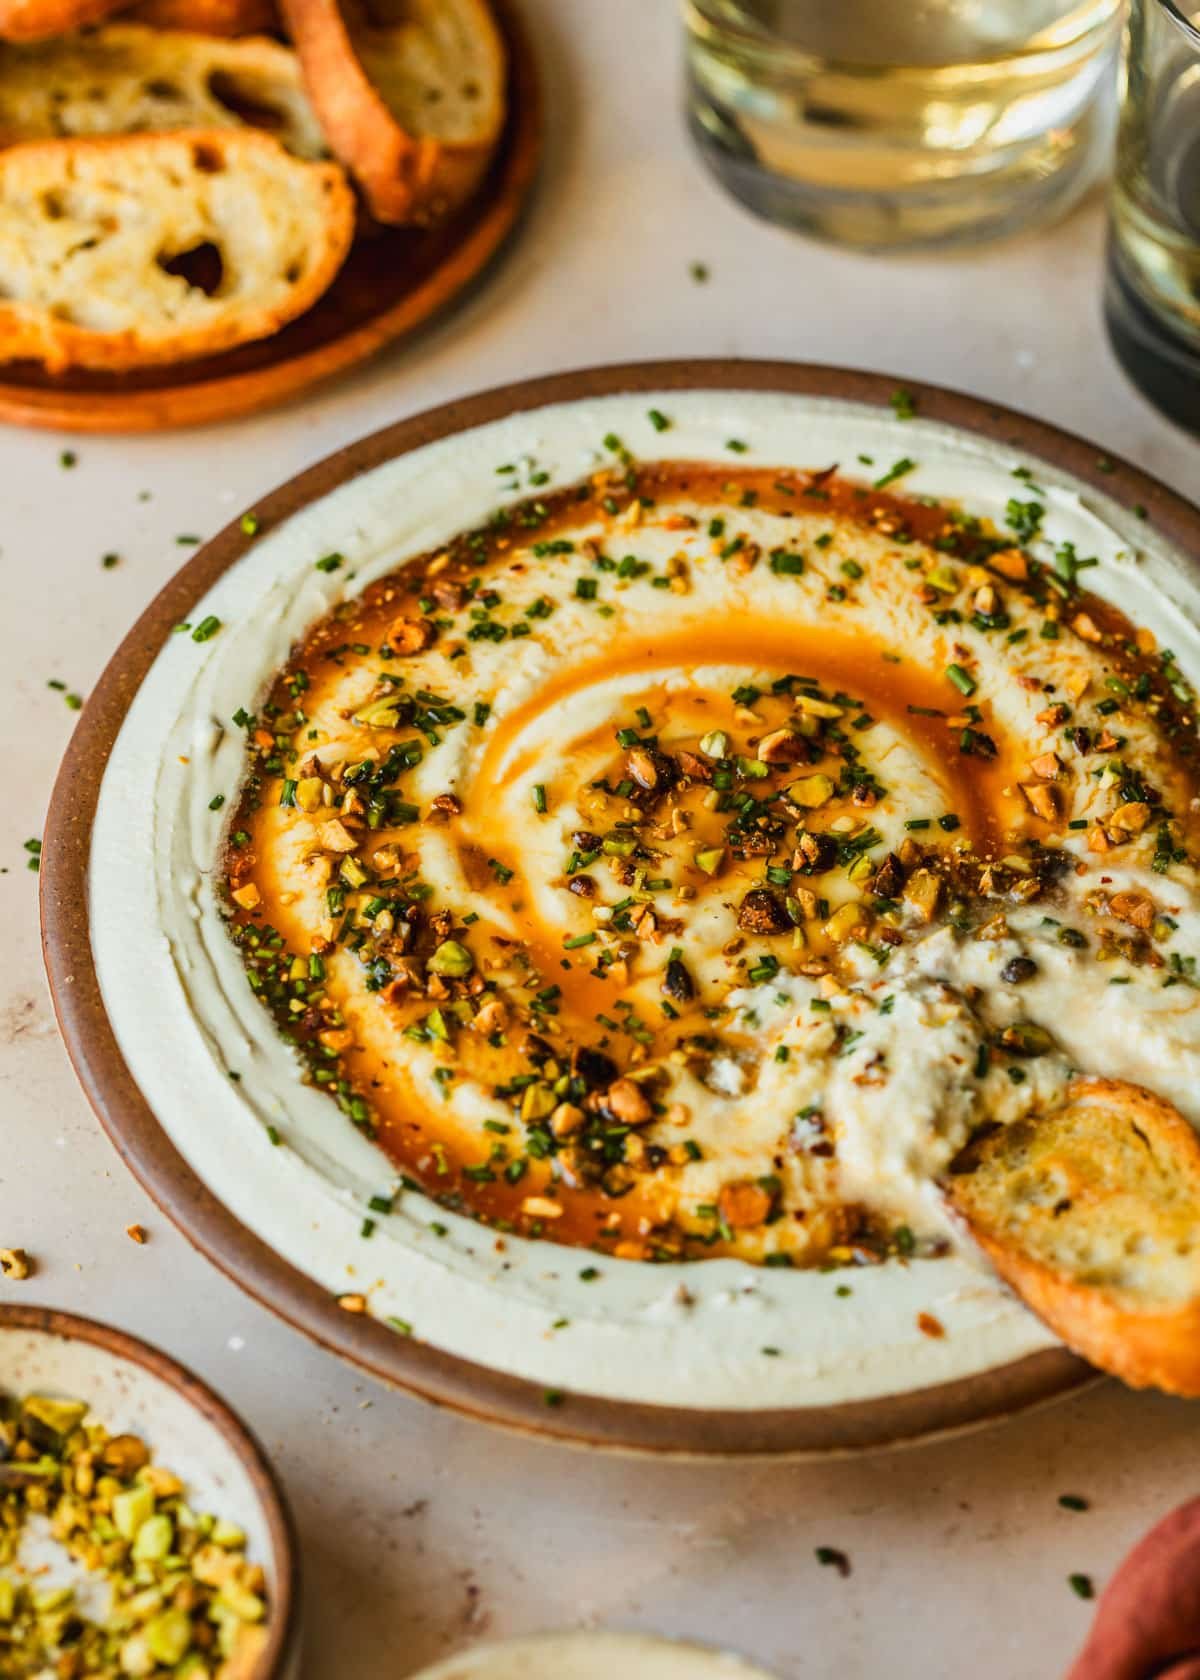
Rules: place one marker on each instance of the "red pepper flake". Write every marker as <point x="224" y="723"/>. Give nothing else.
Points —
<point x="930" y="1326"/>
<point x="136" y="1233"/>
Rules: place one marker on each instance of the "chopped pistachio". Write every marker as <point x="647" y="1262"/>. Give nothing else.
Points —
<point x="811" y="791"/>
<point x="452" y="960"/>
<point x="126" y="1520"/>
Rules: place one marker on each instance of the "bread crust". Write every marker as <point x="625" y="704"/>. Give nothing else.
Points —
<point x="126" y="78"/>
<point x="226" y="18"/>
<point x="176" y="324"/>
<point x="404" y="177"/>
<point x="38" y="20"/>
<point x="1146" y="1345"/>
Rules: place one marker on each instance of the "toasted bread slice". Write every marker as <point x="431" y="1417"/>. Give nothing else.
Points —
<point x="1092" y="1214"/>
<point x="412" y="97"/>
<point x="123" y="253"/>
<point x="228" y="18"/>
<point x="38" y="20"/>
<point x="128" y="79"/>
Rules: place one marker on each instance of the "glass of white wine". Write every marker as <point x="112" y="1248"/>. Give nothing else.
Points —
<point x="1152" y="297"/>
<point x="895" y="124"/>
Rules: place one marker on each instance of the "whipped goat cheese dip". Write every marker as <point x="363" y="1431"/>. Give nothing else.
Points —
<point x="651" y="894"/>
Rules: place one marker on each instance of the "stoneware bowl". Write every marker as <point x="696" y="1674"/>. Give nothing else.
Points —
<point x="202" y="1201"/>
<point x="592" y="1656"/>
<point x="134" y="1388"/>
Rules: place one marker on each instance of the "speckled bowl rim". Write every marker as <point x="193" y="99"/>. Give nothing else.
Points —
<point x="279" y="1660"/>
<point x="471" y="1389"/>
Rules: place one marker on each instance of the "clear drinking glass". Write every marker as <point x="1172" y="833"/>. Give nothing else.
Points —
<point x="903" y="123"/>
<point x="1152" y="297"/>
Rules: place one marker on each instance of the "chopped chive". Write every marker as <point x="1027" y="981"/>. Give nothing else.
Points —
<point x="206" y="629"/>
<point x="897" y="470"/>
<point x="963" y="681"/>
<point x="539" y="798"/>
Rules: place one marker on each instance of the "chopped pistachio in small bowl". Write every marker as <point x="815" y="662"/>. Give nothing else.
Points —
<point x="142" y="1532"/>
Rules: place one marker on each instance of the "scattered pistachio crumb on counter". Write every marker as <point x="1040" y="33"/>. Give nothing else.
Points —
<point x="34" y="860"/>
<point x="831" y="1558"/>
<point x="108" y="561"/>
<point x="183" y="1596"/>
<point x="67" y="459"/>
<point x="16" y="1264"/>
<point x="1074" y="1502"/>
<point x="1081" y="1586"/>
<point x="699" y="272"/>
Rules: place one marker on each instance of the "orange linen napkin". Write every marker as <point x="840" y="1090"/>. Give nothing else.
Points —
<point x="1147" y="1624"/>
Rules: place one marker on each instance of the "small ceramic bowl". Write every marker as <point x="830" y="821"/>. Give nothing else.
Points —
<point x="133" y="1388"/>
<point x="592" y="1656"/>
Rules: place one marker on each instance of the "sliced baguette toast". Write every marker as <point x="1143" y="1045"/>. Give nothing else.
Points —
<point x="411" y="96"/>
<point x="228" y="18"/>
<point x="125" y="253"/>
<point x="39" y="20"/>
<point x="1092" y="1214"/>
<point x="129" y="79"/>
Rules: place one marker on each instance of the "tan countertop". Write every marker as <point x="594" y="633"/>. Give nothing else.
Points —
<point x="422" y="1532"/>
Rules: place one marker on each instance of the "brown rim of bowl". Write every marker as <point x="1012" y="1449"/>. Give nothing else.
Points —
<point x="147" y="1150"/>
<point x="283" y="1642"/>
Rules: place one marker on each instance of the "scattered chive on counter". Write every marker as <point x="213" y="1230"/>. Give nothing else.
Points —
<point x="184" y="1598"/>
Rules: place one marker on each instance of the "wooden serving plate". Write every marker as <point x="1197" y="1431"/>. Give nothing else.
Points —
<point x="394" y="281"/>
<point x="196" y="1206"/>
